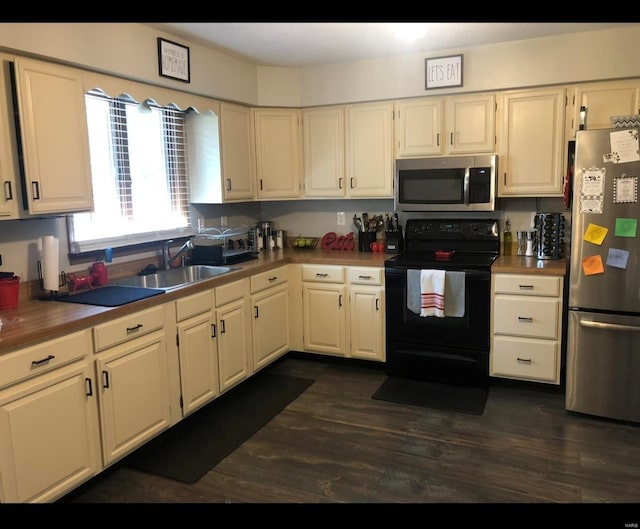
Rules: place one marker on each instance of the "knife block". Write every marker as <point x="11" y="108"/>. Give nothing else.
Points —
<point x="393" y="241"/>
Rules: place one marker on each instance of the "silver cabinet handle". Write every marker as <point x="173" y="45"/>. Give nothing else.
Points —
<point x="523" y="318"/>
<point x="525" y="287"/>
<point x="524" y="360"/>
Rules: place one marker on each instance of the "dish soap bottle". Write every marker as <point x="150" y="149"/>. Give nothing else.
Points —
<point x="506" y="238"/>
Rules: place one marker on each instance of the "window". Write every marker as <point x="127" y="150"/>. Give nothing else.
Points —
<point x="139" y="175"/>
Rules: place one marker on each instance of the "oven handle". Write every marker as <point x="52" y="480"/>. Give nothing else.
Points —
<point x="481" y="274"/>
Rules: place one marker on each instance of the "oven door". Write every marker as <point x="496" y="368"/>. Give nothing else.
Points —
<point x="449" y="349"/>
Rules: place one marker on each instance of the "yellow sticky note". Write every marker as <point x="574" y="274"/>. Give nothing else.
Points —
<point x="592" y="265"/>
<point x="595" y="234"/>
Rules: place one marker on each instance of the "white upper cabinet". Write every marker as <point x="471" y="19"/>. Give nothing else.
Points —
<point x="431" y="126"/>
<point x="10" y="206"/>
<point x="278" y="152"/>
<point x="369" y="153"/>
<point x="470" y="123"/>
<point x="530" y="162"/>
<point x="238" y="152"/>
<point x="54" y="134"/>
<point x="418" y="127"/>
<point x="601" y="102"/>
<point x="324" y="152"/>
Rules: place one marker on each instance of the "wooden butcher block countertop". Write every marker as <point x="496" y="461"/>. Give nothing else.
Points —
<point x="35" y="320"/>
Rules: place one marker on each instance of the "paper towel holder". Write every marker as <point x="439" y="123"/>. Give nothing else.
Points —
<point x="62" y="280"/>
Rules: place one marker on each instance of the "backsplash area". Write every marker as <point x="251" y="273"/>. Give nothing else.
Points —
<point x="20" y="239"/>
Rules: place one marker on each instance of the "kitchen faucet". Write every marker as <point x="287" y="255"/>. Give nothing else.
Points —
<point x="166" y="252"/>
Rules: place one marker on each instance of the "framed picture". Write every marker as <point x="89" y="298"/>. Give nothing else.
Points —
<point x="173" y="60"/>
<point x="441" y="72"/>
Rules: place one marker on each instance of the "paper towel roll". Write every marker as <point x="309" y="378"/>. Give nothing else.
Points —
<point x="50" y="263"/>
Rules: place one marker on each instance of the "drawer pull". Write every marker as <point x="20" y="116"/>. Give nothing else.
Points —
<point x="134" y="329"/>
<point x="524" y="360"/>
<point x="105" y="379"/>
<point x="364" y="277"/>
<point x="318" y="274"/>
<point x="525" y="287"/>
<point x="35" y="363"/>
<point x="222" y="328"/>
<point x="273" y="278"/>
<point x="213" y="330"/>
<point x="527" y="320"/>
<point x="256" y="315"/>
<point x="89" y="392"/>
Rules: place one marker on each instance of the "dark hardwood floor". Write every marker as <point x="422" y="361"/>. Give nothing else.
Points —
<point x="335" y="444"/>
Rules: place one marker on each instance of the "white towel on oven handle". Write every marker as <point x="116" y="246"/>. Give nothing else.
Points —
<point x="432" y="293"/>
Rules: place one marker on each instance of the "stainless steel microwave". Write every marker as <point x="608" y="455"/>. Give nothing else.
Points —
<point x="452" y="183"/>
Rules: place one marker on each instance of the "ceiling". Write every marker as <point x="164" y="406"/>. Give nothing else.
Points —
<point x="299" y="44"/>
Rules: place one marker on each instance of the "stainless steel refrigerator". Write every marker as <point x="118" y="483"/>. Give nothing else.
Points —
<point x="603" y="328"/>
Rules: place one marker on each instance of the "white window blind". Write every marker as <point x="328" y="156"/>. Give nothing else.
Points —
<point x="139" y="173"/>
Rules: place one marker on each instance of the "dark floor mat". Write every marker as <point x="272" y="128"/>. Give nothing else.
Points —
<point x="465" y="399"/>
<point x="200" y="441"/>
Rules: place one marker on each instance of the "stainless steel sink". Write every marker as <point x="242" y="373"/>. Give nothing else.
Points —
<point x="174" y="278"/>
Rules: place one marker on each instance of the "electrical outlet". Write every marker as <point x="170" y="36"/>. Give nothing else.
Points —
<point x="340" y="218"/>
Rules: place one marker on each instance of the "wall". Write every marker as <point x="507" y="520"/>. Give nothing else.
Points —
<point x="130" y="50"/>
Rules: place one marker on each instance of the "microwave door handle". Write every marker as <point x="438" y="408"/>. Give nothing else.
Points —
<point x="466" y="186"/>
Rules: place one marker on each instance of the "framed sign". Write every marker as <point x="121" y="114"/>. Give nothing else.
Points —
<point x="173" y="60"/>
<point x="443" y="71"/>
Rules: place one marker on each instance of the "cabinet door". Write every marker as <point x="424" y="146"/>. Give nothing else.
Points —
<point x="418" y="127"/>
<point x="238" y="152"/>
<point x="278" y="152"/>
<point x="9" y="169"/>
<point x="603" y="100"/>
<point x="324" y="315"/>
<point x="531" y="145"/>
<point x="370" y="150"/>
<point x="323" y="141"/>
<point x="270" y="325"/>
<point x="234" y="345"/>
<point x="134" y="394"/>
<point x="366" y="308"/>
<point x="49" y="435"/>
<point x="198" y="353"/>
<point x="470" y="124"/>
<point x="55" y="139"/>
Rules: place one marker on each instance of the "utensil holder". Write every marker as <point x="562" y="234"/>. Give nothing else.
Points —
<point x="365" y="238"/>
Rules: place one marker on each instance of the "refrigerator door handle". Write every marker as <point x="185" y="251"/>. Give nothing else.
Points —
<point x="609" y="326"/>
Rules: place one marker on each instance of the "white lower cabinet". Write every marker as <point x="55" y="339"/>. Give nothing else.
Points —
<point x="270" y="318"/>
<point x="343" y="311"/>
<point x="324" y="309"/>
<point x="133" y="381"/>
<point x="366" y="310"/>
<point x="49" y="434"/>
<point x="526" y="325"/>
<point x="197" y="350"/>
<point x="234" y="333"/>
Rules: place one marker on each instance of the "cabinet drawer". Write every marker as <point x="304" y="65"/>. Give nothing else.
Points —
<point x="194" y="304"/>
<point x="230" y="292"/>
<point x="128" y="327"/>
<point x="535" y="317"/>
<point x="323" y="273"/>
<point x="525" y="358"/>
<point x="364" y="275"/>
<point x="527" y="284"/>
<point x="44" y="357"/>
<point x="268" y="279"/>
